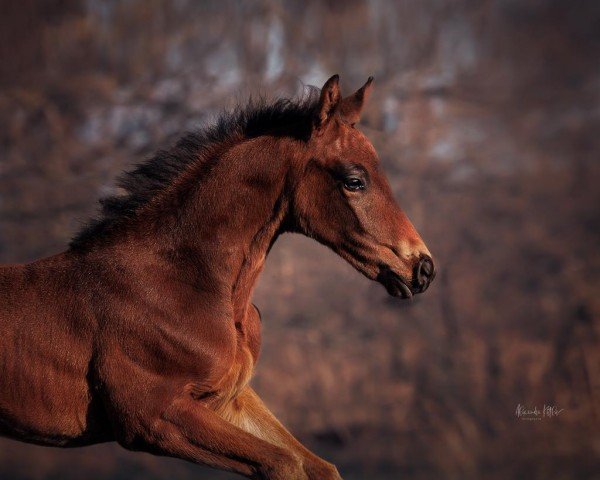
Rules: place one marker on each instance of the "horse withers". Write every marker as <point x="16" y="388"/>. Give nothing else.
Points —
<point x="143" y="331"/>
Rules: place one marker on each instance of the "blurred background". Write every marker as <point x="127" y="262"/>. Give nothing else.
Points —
<point x="486" y="116"/>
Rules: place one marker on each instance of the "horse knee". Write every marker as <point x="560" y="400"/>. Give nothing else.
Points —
<point x="322" y="471"/>
<point x="286" y="467"/>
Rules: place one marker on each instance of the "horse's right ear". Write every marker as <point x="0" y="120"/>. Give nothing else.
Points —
<point x="328" y="103"/>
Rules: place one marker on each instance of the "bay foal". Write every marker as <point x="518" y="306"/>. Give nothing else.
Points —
<point x="143" y="331"/>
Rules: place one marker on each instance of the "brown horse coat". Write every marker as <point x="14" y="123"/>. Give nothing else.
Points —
<point x="143" y="331"/>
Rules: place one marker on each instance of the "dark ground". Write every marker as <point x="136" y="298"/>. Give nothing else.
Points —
<point x="486" y="116"/>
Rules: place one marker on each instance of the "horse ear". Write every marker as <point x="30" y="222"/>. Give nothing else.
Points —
<point x="351" y="107"/>
<point x="329" y="101"/>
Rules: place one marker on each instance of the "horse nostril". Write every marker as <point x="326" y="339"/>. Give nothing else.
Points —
<point x="425" y="272"/>
<point x="427" y="266"/>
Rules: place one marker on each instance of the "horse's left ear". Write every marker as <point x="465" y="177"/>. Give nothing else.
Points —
<point x="351" y="107"/>
<point x="328" y="103"/>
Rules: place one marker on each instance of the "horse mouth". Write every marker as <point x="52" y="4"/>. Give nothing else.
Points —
<point x="394" y="284"/>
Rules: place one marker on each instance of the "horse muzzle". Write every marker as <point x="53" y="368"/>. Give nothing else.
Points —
<point x="399" y="286"/>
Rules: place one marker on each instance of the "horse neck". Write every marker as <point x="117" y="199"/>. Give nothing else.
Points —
<point x="234" y="215"/>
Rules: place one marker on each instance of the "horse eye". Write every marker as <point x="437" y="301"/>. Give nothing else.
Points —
<point x="353" y="184"/>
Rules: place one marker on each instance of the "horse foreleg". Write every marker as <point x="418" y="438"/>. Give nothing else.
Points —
<point x="191" y="431"/>
<point x="249" y="413"/>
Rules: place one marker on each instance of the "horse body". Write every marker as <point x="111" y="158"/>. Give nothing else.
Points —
<point x="60" y="318"/>
<point x="45" y="348"/>
<point x="144" y="332"/>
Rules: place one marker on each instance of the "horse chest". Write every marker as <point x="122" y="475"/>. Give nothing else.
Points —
<point x="237" y="377"/>
<point x="241" y="369"/>
<point x="248" y="328"/>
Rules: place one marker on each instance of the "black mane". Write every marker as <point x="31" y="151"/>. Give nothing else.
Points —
<point x="283" y="117"/>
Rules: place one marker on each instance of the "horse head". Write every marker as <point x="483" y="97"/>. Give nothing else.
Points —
<point x="343" y="198"/>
